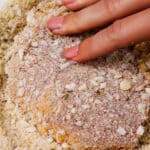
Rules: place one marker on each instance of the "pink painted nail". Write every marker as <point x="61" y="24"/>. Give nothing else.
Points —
<point x="72" y="52"/>
<point x="55" y="23"/>
<point x="68" y="2"/>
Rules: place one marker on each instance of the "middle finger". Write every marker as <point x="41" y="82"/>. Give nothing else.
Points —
<point x="96" y="15"/>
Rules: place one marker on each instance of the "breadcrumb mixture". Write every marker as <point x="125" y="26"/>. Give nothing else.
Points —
<point x="100" y="104"/>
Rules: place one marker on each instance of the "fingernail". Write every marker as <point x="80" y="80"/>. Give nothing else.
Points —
<point x="72" y="52"/>
<point x="55" y="23"/>
<point x="68" y="2"/>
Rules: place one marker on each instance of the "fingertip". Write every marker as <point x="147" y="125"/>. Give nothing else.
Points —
<point x="71" y="52"/>
<point x="69" y="3"/>
<point x="55" y="23"/>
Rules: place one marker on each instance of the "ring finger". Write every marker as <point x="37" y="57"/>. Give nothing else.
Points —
<point x="78" y="4"/>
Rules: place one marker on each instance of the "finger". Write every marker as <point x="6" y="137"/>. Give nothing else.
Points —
<point x="132" y="29"/>
<point x="78" y="4"/>
<point x="99" y="14"/>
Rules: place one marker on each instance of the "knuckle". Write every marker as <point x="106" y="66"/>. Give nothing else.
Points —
<point x="148" y="10"/>
<point x="114" y="31"/>
<point x="73" y="23"/>
<point x="111" y="5"/>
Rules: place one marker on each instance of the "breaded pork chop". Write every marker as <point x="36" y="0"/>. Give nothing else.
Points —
<point x="100" y="104"/>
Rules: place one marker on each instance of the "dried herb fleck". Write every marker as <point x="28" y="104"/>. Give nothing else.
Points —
<point x="65" y="97"/>
<point x="127" y="98"/>
<point x="98" y="92"/>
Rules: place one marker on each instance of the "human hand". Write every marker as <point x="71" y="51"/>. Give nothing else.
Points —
<point x="128" y="20"/>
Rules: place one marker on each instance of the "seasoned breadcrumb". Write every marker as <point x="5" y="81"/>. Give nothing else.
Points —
<point x="12" y="20"/>
<point x="104" y="113"/>
<point x="21" y="123"/>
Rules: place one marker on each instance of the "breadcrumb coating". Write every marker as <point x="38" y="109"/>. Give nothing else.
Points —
<point x="99" y="104"/>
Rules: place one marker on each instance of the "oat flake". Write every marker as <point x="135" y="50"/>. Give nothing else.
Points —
<point x="125" y="85"/>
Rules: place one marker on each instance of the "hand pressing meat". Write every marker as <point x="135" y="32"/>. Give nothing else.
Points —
<point x="125" y="22"/>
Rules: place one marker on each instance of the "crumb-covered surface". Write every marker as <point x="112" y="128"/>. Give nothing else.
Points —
<point x="100" y="104"/>
<point x="12" y="20"/>
<point x="15" y="131"/>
